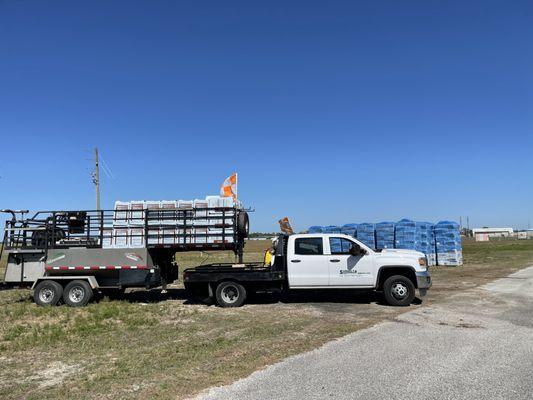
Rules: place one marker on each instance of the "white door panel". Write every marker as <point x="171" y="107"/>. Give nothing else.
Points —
<point x="351" y="270"/>
<point x="346" y="269"/>
<point x="311" y="268"/>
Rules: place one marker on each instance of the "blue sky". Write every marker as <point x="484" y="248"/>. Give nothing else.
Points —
<point x="331" y="112"/>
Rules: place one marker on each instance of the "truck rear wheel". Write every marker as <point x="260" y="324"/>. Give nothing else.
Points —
<point x="77" y="293"/>
<point x="47" y="293"/>
<point x="399" y="291"/>
<point x="230" y="294"/>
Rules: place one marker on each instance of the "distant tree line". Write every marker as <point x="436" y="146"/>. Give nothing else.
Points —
<point x="262" y="234"/>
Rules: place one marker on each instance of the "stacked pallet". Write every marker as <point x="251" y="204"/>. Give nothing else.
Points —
<point x="448" y="243"/>
<point x="385" y="235"/>
<point x="425" y="241"/>
<point x="366" y="233"/>
<point x="171" y="222"/>
<point x="349" y="229"/>
<point x="405" y="234"/>
<point x="441" y="243"/>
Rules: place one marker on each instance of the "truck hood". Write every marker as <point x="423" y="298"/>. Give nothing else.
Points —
<point x="402" y="252"/>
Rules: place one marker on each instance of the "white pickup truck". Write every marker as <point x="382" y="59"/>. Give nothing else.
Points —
<point x="316" y="261"/>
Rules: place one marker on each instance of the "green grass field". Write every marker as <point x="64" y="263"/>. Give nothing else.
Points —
<point x="152" y="345"/>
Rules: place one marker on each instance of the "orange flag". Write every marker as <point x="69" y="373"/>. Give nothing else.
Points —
<point x="229" y="187"/>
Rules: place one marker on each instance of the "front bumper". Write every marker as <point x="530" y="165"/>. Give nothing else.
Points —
<point x="423" y="280"/>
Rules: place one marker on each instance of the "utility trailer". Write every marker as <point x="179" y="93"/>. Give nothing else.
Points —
<point x="69" y="255"/>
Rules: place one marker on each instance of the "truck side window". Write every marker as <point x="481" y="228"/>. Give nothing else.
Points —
<point x="339" y="245"/>
<point x="308" y="246"/>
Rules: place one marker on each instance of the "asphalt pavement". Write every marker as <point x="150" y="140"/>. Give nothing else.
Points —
<point x="476" y="345"/>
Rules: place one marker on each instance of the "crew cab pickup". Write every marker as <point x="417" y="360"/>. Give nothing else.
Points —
<point x="316" y="261"/>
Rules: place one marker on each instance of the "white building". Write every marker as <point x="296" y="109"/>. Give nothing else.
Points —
<point x="482" y="234"/>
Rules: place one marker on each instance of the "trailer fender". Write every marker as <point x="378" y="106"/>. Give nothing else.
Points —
<point x="90" y="279"/>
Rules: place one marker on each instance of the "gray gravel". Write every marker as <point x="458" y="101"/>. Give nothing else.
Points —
<point x="478" y="345"/>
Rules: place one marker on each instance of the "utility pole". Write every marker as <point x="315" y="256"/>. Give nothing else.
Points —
<point x="96" y="178"/>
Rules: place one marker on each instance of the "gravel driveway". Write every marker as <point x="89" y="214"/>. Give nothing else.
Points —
<point x="476" y="345"/>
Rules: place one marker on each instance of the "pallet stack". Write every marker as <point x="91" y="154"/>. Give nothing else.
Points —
<point x="448" y="243"/>
<point x="366" y="233"/>
<point x="385" y="235"/>
<point x="171" y="222"/>
<point x="441" y="242"/>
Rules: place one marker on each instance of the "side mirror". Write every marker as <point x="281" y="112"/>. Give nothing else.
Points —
<point x="355" y="250"/>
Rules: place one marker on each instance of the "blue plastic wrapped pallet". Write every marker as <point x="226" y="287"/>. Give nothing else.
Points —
<point x="315" y="229"/>
<point x="366" y="233"/>
<point x="349" y="229"/>
<point x="385" y="235"/>
<point x="405" y="234"/>
<point x="448" y="243"/>
<point x="331" y="229"/>
<point x="424" y="240"/>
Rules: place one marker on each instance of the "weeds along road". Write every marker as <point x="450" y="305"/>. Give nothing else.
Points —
<point x="476" y="345"/>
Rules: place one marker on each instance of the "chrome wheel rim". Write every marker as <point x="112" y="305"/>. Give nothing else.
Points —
<point x="230" y="294"/>
<point x="46" y="295"/>
<point x="76" y="294"/>
<point x="399" y="290"/>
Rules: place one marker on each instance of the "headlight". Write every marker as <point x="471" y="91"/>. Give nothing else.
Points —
<point x="423" y="261"/>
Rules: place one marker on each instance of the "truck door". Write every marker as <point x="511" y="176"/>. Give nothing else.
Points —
<point x="306" y="264"/>
<point x="345" y="269"/>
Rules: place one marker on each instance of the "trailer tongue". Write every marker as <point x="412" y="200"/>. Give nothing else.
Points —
<point x="69" y="254"/>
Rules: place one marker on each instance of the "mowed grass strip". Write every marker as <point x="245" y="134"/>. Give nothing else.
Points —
<point x="152" y="345"/>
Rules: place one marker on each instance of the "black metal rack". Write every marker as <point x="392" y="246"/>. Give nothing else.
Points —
<point x="90" y="228"/>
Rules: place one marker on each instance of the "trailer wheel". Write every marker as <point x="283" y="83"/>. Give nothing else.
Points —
<point x="47" y="293"/>
<point x="230" y="294"/>
<point x="77" y="293"/>
<point x="243" y="224"/>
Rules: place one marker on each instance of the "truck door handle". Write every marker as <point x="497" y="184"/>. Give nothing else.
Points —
<point x="296" y="261"/>
<point x="334" y="260"/>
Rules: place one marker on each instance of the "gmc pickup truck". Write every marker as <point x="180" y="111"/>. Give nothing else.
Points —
<point x="315" y="261"/>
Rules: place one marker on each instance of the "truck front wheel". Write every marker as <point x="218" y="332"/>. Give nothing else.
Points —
<point x="230" y="294"/>
<point x="399" y="290"/>
<point x="47" y="293"/>
<point x="77" y="293"/>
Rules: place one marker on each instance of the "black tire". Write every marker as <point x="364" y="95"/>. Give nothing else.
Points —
<point x="243" y="224"/>
<point x="77" y="293"/>
<point x="47" y="293"/>
<point x="399" y="291"/>
<point x="230" y="294"/>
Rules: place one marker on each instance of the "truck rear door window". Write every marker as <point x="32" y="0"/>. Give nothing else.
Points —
<point x="308" y="246"/>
